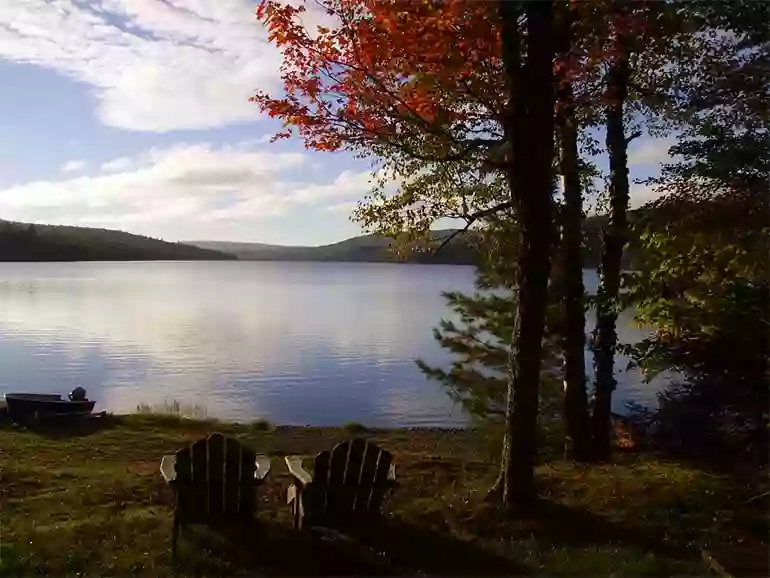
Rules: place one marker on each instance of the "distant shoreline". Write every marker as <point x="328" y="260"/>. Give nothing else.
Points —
<point x="40" y="243"/>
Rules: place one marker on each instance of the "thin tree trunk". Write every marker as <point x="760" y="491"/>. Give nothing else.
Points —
<point x="575" y="397"/>
<point x="571" y="254"/>
<point x="529" y="127"/>
<point x="509" y="14"/>
<point x="614" y="238"/>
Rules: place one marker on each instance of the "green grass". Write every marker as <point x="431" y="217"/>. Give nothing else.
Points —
<point x="91" y="502"/>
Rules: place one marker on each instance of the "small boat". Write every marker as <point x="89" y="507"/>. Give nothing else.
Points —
<point x="31" y="407"/>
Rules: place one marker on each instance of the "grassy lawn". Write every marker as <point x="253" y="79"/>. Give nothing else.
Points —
<point x="93" y="503"/>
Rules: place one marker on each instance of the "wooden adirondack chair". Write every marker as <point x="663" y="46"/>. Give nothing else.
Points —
<point x="214" y="481"/>
<point x="347" y="486"/>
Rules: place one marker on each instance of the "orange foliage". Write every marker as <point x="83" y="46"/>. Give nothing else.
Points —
<point x="389" y="71"/>
<point x="415" y="76"/>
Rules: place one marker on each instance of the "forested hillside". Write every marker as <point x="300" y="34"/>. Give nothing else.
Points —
<point x="371" y="248"/>
<point x="25" y="242"/>
<point x="364" y="248"/>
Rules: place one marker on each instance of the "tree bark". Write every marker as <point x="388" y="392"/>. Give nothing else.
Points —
<point x="528" y="125"/>
<point x="614" y="239"/>
<point x="573" y="338"/>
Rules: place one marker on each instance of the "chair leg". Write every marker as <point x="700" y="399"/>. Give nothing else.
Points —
<point x="298" y="511"/>
<point x="174" y="537"/>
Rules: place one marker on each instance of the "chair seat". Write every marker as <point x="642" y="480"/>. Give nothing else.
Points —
<point x="347" y="486"/>
<point x="214" y="482"/>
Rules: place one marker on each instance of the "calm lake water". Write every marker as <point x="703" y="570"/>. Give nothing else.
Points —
<point x="297" y="343"/>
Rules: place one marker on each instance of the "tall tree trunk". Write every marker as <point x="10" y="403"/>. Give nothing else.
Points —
<point x="529" y="127"/>
<point x="614" y="238"/>
<point x="575" y="397"/>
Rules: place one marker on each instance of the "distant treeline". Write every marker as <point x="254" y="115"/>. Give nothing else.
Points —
<point x="361" y="249"/>
<point x="370" y="248"/>
<point x="25" y="242"/>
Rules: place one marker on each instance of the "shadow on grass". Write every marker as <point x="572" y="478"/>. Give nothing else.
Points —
<point x="417" y="549"/>
<point x="558" y="525"/>
<point x="267" y="548"/>
<point x="576" y="527"/>
<point x="394" y="549"/>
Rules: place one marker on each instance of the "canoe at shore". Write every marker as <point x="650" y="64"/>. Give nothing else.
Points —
<point x="26" y="407"/>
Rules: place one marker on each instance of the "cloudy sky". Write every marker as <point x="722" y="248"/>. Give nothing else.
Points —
<point x="134" y="115"/>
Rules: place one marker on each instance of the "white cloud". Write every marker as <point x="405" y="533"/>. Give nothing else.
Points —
<point x="346" y="184"/>
<point x="74" y="166"/>
<point x="649" y="151"/>
<point x="181" y="192"/>
<point x="117" y="165"/>
<point x="641" y="194"/>
<point x="264" y="139"/>
<point x="345" y="208"/>
<point x="153" y="65"/>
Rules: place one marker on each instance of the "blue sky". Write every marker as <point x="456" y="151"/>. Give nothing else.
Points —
<point x="134" y="115"/>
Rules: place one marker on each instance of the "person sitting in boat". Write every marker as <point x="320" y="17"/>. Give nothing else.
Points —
<point x="78" y="394"/>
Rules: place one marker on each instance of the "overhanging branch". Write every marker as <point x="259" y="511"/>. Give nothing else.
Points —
<point x="470" y="219"/>
<point x="634" y="135"/>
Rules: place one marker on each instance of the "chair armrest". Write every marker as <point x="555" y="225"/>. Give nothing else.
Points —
<point x="262" y="467"/>
<point x="391" y="481"/>
<point x="168" y="468"/>
<point x="294" y="465"/>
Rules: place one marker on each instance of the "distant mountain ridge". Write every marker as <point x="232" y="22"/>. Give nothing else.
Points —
<point x="371" y="248"/>
<point x="364" y="248"/>
<point x="33" y="242"/>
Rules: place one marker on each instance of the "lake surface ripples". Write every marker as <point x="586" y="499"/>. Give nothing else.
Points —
<point x="296" y="343"/>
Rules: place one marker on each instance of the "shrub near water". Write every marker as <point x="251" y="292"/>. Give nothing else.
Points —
<point x="173" y="408"/>
<point x="261" y="425"/>
<point x="354" y="427"/>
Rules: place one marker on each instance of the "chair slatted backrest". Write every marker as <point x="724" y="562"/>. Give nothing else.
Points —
<point x="351" y="480"/>
<point x="215" y="479"/>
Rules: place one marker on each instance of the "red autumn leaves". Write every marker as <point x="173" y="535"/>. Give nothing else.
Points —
<point x="393" y="72"/>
